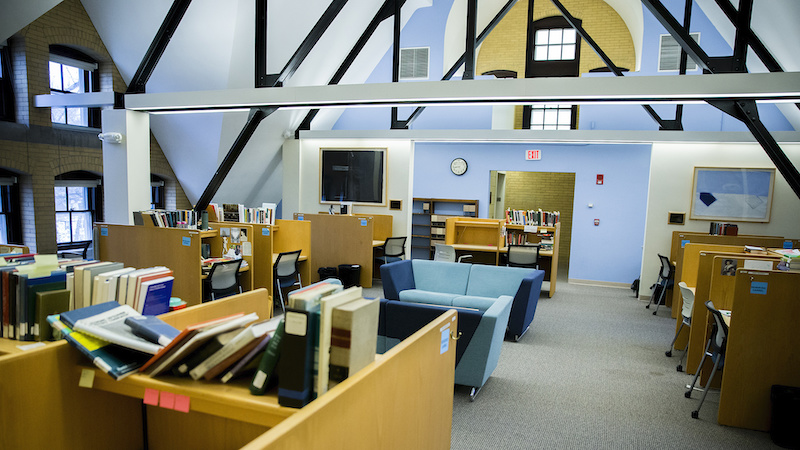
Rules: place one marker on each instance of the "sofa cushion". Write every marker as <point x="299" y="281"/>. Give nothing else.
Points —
<point x="420" y="296"/>
<point x="438" y="276"/>
<point x="471" y="301"/>
<point x="494" y="281"/>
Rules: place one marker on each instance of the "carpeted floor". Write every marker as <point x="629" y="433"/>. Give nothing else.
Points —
<point x="591" y="373"/>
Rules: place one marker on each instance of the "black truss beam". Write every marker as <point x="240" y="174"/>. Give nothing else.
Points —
<point x="469" y="47"/>
<point x="309" y="42"/>
<point x="687" y="22"/>
<point x="755" y="43"/>
<point x="255" y="118"/>
<point x="261" y="77"/>
<point x="386" y="11"/>
<point x="157" y="47"/>
<point x="396" y="60"/>
<point x="574" y="23"/>
<point x="454" y="68"/>
<point x="744" y="110"/>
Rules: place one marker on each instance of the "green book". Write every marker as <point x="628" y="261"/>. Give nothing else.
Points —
<point x="48" y="303"/>
<point x="266" y="368"/>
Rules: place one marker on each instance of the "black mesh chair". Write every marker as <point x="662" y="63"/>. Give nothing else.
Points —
<point x="287" y="273"/>
<point x="523" y="256"/>
<point x="686" y="312"/>
<point x="223" y="279"/>
<point x="715" y="349"/>
<point x="666" y="277"/>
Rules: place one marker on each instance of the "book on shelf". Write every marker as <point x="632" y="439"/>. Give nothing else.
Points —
<point x="234" y="212"/>
<point x="354" y="334"/>
<point x="106" y="321"/>
<point x="327" y="306"/>
<point x="27" y="285"/>
<point x="295" y="377"/>
<point x="203" y="352"/>
<point x="84" y="280"/>
<point x="49" y="303"/>
<point x="128" y="282"/>
<point x="250" y="361"/>
<point x="244" y="341"/>
<point x="116" y="361"/>
<point x="532" y="217"/>
<point x="729" y="229"/>
<point x="152" y="328"/>
<point x="154" y="296"/>
<point x="181" y="218"/>
<point x="267" y="365"/>
<point x="102" y="281"/>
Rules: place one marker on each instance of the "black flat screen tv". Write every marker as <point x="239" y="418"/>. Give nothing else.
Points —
<point x="352" y="175"/>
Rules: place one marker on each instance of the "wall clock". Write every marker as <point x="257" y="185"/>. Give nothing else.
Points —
<point x="459" y="166"/>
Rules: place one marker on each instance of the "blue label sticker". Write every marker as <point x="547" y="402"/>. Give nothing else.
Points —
<point x="684" y="242"/>
<point x="445" y="343"/>
<point x="363" y="222"/>
<point x="787" y="244"/>
<point x="758" y="287"/>
<point x="103" y="231"/>
<point x="187" y="241"/>
<point x="300" y="217"/>
<point x="265" y="231"/>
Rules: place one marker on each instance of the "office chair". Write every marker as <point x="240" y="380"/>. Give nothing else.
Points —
<point x="523" y="256"/>
<point x="393" y="250"/>
<point x="715" y="348"/>
<point x="447" y="253"/>
<point x="223" y="279"/>
<point x="686" y="312"/>
<point x="287" y="273"/>
<point x="666" y="277"/>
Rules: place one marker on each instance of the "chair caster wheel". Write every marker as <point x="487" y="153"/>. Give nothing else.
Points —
<point x="668" y="353"/>
<point x="695" y="414"/>
<point x="654" y="312"/>
<point x="687" y="394"/>
<point x="679" y="369"/>
<point x="647" y="307"/>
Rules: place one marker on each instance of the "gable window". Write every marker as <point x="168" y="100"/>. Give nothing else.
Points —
<point x="10" y="217"/>
<point x="552" y="117"/>
<point x="78" y="198"/>
<point x="414" y="63"/>
<point x="6" y="89"/>
<point x="669" y="54"/>
<point x="554" y="44"/>
<point x="72" y="72"/>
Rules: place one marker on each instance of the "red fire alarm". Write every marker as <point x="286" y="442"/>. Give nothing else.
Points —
<point x="596" y="222"/>
<point x="599" y="178"/>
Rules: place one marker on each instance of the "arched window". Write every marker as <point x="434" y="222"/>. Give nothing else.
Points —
<point x="79" y="204"/>
<point x="10" y="216"/>
<point x="72" y="72"/>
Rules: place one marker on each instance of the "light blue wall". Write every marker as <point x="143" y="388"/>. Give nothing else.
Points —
<point x="609" y="252"/>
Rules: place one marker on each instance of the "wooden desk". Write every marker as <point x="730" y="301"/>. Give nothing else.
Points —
<point x="378" y="243"/>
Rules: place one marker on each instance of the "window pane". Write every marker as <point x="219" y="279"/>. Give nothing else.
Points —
<point x="569" y="36"/>
<point x="540" y="53"/>
<point x="78" y="200"/>
<point x="554" y="53"/>
<point x="564" y="116"/>
<point x="3" y="229"/>
<point x="549" y="127"/>
<point x="537" y="116"/>
<point x="568" y="52"/>
<point x="81" y="226"/>
<point x="62" y="228"/>
<point x="555" y="36"/>
<point x="55" y="76"/>
<point x="58" y="115"/>
<point x="541" y="37"/>
<point x="72" y="79"/>
<point x="551" y="116"/>
<point x="61" y="198"/>
<point x="78" y="116"/>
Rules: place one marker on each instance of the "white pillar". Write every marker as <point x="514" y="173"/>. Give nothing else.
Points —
<point x="126" y="165"/>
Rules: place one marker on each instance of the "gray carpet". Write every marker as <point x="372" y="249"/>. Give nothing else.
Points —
<point x="591" y="373"/>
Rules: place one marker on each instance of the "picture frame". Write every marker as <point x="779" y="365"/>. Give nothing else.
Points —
<point x="732" y="194"/>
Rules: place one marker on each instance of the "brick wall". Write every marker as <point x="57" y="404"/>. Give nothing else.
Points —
<point x="548" y="191"/>
<point x="504" y="48"/>
<point x="37" y="150"/>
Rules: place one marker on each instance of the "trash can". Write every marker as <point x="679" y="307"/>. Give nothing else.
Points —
<point x="785" y="416"/>
<point x="327" y="272"/>
<point x="350" y="274"/>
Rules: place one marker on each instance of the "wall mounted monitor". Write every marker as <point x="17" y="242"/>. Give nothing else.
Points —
<point x="355" y="175"/>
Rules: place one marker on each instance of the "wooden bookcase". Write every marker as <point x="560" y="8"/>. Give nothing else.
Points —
<point x="482" y="238"/>
<point x="429" y="216"/>
<point x="408" y="388"/>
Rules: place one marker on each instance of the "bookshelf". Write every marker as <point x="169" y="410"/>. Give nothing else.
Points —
<point x="428" y="226"/>
<point x="385" y="399"/>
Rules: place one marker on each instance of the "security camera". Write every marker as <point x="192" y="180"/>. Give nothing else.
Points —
<point x="113" y="138"/>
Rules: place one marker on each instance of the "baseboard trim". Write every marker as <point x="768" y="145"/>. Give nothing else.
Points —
<point x="612" y="284"/>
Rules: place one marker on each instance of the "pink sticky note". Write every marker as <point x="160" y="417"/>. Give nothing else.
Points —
<point x="151" y="397"/>
<point x="182" y="403"/>
<point x="167" y="400"/>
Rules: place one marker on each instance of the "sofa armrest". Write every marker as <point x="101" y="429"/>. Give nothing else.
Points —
<point x="524" y="306"/>
<point x="481" y="357"/>
<point x="397" y="276"/>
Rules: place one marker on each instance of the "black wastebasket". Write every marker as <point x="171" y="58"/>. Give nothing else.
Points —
<point x="327" y="272"/>
<point x="350" y="274"/>
<point x="785" y="416"/>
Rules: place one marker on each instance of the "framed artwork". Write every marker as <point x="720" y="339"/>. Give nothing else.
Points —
<point x="733" y="194"/>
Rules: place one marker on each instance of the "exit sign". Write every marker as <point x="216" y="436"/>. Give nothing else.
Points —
<point x="533" y="155"/>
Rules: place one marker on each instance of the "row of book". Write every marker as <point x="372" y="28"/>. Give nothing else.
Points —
<point x="545" y="240"/>
<point x="729" y="229"/>
<point x="181" y="218"/>
<point x="532" y="217"/>
<point x="30" y="290"/>
<point x="234" y="212"/>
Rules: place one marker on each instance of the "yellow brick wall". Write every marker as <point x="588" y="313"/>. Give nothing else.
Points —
<point x="37" y="150"/>
<point x="504" y="48"/>
<point x="548" y="191"/>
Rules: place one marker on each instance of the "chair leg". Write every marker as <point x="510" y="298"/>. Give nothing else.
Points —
<point x="474" y="393"/>
<point x="661" y="296"/>
<point x="679" y="368"/>
<point x="690" y="388"/>
<point x="672" y="344"/>
<point x="280" y="297"/>
<point x="696" y="412"/>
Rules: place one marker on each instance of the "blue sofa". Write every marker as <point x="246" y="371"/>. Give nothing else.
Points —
<point x="467" y="285"/>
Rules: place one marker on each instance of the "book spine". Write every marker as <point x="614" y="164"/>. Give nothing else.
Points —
<point x="295" y="370"/>
<point x="268" y="363"/>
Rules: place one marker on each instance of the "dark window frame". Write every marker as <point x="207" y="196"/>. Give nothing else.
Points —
<point x="94" y="198"/>
<point x="7" y="112"/>
<point x="11" y="208"/>
<point x="91" y="83"/>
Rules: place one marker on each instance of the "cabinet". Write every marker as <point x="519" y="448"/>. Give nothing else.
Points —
<point x="428" y="222"/>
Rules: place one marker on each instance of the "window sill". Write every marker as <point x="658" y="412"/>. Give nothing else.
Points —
<point x="61" y="126"/>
